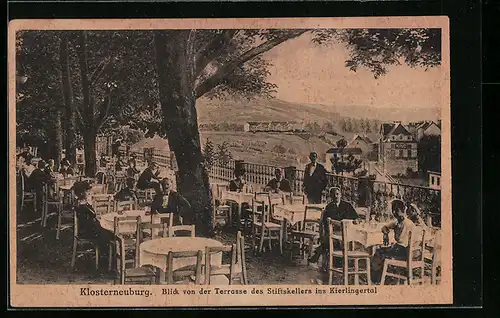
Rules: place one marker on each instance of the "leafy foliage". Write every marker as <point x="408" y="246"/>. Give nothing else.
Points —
<point x="429" y="153"/>
<point x="377" y="49"/>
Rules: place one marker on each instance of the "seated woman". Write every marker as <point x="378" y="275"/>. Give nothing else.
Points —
<point x="128" y="193"/>
<point x="66" y="169"/>
<point x="170" y="201"/>
<point x="414" y="214"/>
<point x="399" y="250"/>
<point x="238" y="183"/>
<point x="89" y="226"/>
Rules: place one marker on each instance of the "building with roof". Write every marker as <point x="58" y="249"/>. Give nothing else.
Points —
<point x="272" y="126"/>
<point x="362" y="142"/>
<point x="397" y="149"/>
<point x="434" y="180"/>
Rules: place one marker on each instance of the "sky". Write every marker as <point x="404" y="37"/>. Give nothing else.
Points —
<point x="313" y="74"/>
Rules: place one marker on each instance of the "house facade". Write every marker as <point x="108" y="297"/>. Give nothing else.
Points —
<point x="397" y="149"/>
<point x="429" y="128"/>
<point x="434" y="180"/>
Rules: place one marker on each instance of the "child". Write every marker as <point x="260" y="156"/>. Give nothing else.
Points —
<point x="399" y="250"/>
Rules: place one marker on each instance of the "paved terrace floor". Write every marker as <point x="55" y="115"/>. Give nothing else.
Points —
<point x="41" y="259"/>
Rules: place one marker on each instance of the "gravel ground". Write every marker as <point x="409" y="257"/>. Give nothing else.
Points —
<point x="45" y="260"/>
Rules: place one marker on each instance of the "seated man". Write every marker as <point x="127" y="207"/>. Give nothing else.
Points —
<point x="149" y="178"/>
<point x="278" y="183"/>
<point x="89" y="226"/>
<point x="128" y="193"/>
<point x="51" y="178"/>
<point x="414" y="214"/>
<point x="131" y="171"/>
<point x="399" y="250"/>
<point x="338" y="210"/>
<point x="36" y="181"/>
<point x="170" y="201"/>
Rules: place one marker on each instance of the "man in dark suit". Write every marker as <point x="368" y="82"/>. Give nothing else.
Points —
<point x="314" y="179"/>
<point x="149" y="178"/>
<point x="170" y="201"/>
<point x="278" y="183"/>
<point x="338" y="210"/>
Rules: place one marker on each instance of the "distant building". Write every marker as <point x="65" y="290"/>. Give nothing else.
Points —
<point x="425" y="128"/>
<point x="362" y="142"/>
<point x="434" y="180"/>
<point x="272" y="126"/>
<point x="397" y="149"/>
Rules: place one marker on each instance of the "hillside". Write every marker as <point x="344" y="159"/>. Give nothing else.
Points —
<point x="238" y="111"/>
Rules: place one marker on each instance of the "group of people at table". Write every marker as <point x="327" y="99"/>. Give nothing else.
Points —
<point x="167" y="200"/>
<point x="405" y="215"/>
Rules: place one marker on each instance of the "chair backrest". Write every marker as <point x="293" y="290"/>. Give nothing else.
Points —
<point x="416" y="245"/>
<point x="125" y="205"/>
<point x="290" y="198"/>
<point x="262" y="196"/>
<point x="337" y="232"/>
<point x="119" y="220"/>
<point x="184" y="272"/>
<point x="102" y="202"/>
<point x="220" y="188"/>
<point x="223" y="269"/>
<point x="240" y="256"/>
<point x="307" y="221"/>
<point x="258" y="208"/>
<point x="100" y="177"/>
<point x="173" y="231"/>
<point x="162" y="227"/>
<point x="276" y="199"/>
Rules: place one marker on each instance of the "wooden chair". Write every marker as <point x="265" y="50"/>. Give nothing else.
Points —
<point x="308" y="231"/>
<point x="125" y="205"/>
<point x="63" y="214"/>
<point x="78" y="241"/>
<point x="129" y="238"/>
<point x="48" y="201"/>
<point x="263" y="228"/>
<point x="173" y="231"/>
<point x="294" y="199"/>
<point x="414" y="261"/>
<point x="132" y="274"/>
<point x="434" y="260"/>
<point x="221" y="214"/>
<point x="338" y="233"/>
<point x="186" y="275"/>
<point x="220" y="274"/>
<point x="102" y="204"/>
<point x="240" y="272"/>
<point x="25" y="196"/>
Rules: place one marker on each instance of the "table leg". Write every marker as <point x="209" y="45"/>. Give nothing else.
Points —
<point x="239" y="214"/>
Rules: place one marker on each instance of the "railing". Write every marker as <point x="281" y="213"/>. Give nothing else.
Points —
<point x="360" y="192"/>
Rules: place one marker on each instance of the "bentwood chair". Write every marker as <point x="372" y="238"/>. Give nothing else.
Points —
<point x="263" y="228"/>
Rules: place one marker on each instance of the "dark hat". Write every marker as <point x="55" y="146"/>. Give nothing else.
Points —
<point x="81" y="186"/>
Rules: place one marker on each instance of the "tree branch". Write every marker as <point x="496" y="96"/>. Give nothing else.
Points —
<point x="99" y="70"/>
<point x="216" y="78"/>
<point x="213" y="49"/>
<point x="80" y="120"/>
<point x="104" y="113"/>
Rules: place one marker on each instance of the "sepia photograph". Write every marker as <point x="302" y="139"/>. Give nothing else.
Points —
<point x="230" y="162"/>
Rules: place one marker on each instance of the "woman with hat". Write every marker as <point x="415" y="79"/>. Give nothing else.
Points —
<point x="89" y="226"/>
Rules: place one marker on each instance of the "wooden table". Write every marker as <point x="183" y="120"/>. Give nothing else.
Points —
<point x="237" y="197"/>
<point x="108" y="220"/>
<point x="154" y="252"/>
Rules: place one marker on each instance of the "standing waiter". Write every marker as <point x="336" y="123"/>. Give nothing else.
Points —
<point x="314" y="179"/>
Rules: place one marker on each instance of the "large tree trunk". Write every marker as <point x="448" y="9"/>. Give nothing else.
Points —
<point x="70" y="114"/>
<point x="89" y="152"/>
<point x="58" y="140"/>
<point x="176" y="67"/>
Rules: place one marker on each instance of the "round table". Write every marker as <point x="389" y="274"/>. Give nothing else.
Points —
<point x="108" y="220"/>
<point x="154" y="252"/>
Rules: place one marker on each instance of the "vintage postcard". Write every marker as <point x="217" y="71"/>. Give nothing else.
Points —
<point x="230" y="162"/>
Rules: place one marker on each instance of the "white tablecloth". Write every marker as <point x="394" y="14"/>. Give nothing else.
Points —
<point x="294" y="213"/>
<point x="238" y="197"/>
<point x="155" y="252"/>
<point x="108" y="220"/>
